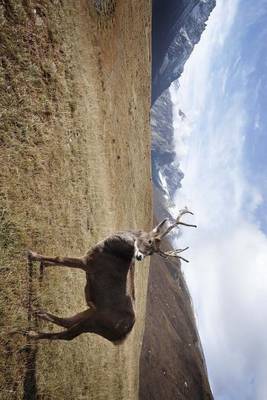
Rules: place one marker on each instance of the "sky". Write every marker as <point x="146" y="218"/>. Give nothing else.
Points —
<point x="222" y="147"/>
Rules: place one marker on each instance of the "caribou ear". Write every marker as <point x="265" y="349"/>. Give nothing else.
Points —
<point x="160" y="228"/>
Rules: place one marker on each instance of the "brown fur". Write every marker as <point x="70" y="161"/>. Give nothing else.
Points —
<point x="110" y="313"/>
<point x="107" y="264"/>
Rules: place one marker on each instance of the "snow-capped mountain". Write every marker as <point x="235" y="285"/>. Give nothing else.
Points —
<point x="178" y="29"/>
<point x="172" y="363"/>
<point x="166" y="171"/>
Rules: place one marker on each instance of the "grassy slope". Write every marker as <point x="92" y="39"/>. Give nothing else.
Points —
<point x="75" y="165"/>
<point x="165" y="373"/>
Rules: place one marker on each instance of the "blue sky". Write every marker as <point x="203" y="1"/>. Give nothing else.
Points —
<point x="246" y="62"/>
<point x="222" y="146"/>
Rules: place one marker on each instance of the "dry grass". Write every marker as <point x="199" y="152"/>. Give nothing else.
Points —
<point x="75" y="165"/>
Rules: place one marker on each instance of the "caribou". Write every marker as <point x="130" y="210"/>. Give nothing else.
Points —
<point x="110" y="313"/>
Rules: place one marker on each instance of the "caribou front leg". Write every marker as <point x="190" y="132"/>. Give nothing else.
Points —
<point x="61" y="261"/>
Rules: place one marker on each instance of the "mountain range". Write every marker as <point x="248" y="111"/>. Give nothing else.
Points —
<point x="172" y="363"/>
<point x="176" y="29"/>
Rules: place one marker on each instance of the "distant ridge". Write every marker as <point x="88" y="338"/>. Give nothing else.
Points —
<point x="176" y="28"/>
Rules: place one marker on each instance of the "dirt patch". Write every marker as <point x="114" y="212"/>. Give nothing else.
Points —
<point x="75" y="166"/>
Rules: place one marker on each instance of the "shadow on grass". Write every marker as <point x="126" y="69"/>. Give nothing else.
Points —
<point x="30" y="384"/>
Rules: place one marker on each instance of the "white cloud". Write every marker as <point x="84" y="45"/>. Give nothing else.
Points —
<point x="257" y="121"/>
<point x="197" y="70"/>
<point x="227" y="274"/>
<point x="227" y="278"/>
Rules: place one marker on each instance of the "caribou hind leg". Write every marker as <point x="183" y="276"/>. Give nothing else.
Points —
<point x="68" y="334"/>
<point x="61" y="261"/>
<point x="111" y="325"/>
<point x="65" y="322"/>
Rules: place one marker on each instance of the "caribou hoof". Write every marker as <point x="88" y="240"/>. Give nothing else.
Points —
<point x="41" y="314"/>
<point x="32" y="335"/>
<point x="32" y="256"/>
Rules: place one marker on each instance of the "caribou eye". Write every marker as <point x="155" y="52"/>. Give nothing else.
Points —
<point x="150" y="241"/>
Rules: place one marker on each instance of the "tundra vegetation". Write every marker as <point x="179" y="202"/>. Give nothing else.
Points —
<point x="75" y="166"/>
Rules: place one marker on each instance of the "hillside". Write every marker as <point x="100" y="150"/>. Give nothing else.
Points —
<point x="75" y="166"/>
<point x="172" y="364"/>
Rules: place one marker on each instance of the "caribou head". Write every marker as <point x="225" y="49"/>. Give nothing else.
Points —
<point x="149" y="243"/>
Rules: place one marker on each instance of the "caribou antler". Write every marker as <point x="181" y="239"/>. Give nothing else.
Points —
<point x="178" y="222"/>
<point x="175" y="253"/>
